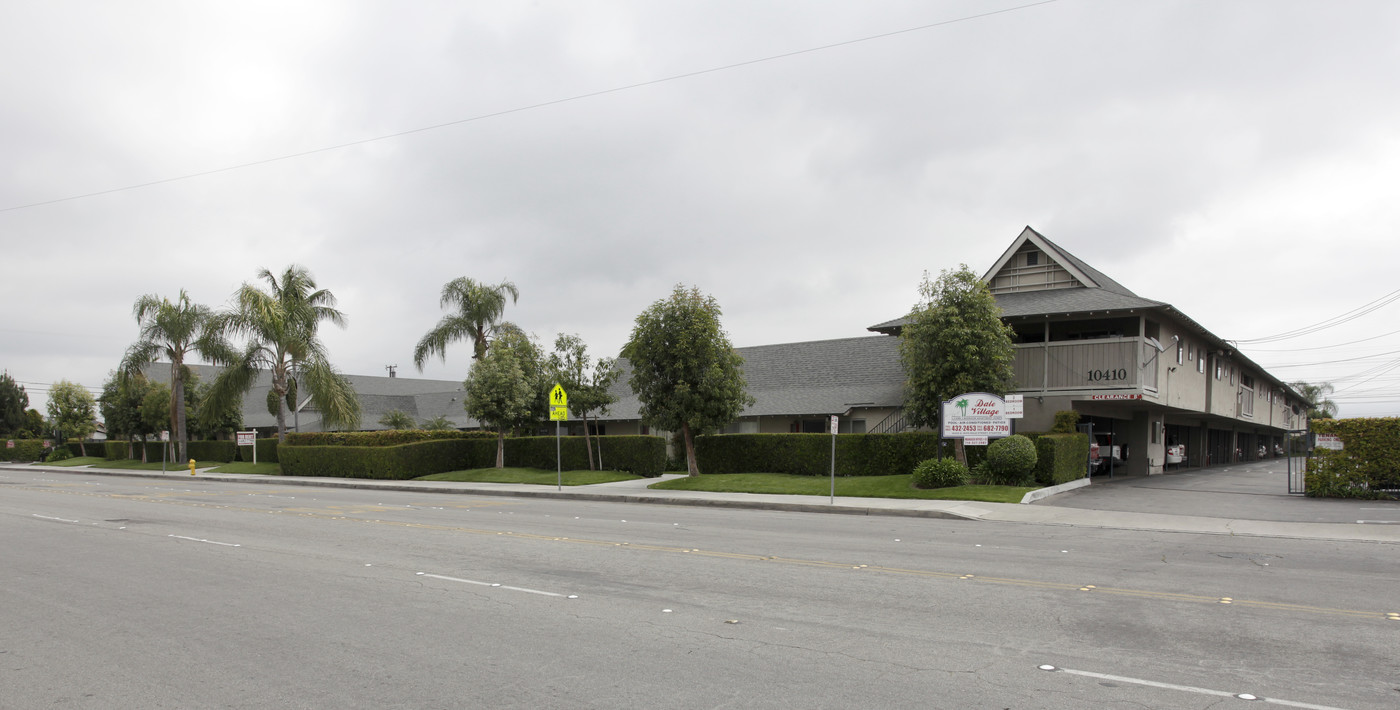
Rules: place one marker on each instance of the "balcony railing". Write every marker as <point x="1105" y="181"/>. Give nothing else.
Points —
<point x="1100" y="364"/>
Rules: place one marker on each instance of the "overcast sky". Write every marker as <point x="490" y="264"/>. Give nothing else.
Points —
<point x="1239" y="160"/>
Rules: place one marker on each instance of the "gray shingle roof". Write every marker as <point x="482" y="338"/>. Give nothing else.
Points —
<point x="816" y="377"/>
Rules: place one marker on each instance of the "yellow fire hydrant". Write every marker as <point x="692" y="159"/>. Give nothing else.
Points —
<point x="191" y="467"/>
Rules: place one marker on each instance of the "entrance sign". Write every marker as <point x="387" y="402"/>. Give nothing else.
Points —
<point x="248" y="438"/>
<point x="975" y="414"/>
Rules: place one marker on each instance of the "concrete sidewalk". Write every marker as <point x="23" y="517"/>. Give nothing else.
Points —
<point x="637" y="492"/>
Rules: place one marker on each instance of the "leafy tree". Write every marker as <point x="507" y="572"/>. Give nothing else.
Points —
<point x="505" y="386"/>
<point x="1319" y="406"/>
<point x="74" y="411"/>
<point x="13" y="401"/>
<point x="213" y="418"/>
<point x="397" y="419"/>
<point x="684" y="370"/>
<point x="173" y="331"/>
<point x="34" y="425"/>
<point x="121" y="402"/>
<point x="281" y="325"/>
<point x="954" y="343"/>
<point x="438" y="423"/>
<point x="588" y="391"/>
<point x="478" y="310"/>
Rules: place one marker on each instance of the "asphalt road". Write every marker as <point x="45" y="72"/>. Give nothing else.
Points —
<point x="122" y="592"/>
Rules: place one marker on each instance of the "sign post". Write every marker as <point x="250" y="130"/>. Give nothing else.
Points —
<point x="558" y="412"/>
<point x="834" y="421"/>
<point x="249" y="438"/>
<point x="164" y="448"/>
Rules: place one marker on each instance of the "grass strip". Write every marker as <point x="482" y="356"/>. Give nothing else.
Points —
<point x="264" y="469"/>
<point x="901" y="486"/>
<point x="529" y="475"/>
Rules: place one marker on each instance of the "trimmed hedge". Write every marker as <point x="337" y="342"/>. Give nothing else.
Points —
<point x="641" y="455"/>
<point x="25" y="450"/>
<point x="1368" y="463"/>
<point x="1061" y="458"/>
<point x="810" y="454"/>
<point x="267" y="450"/>
<point x="389" y="437"/>
<point x="220" y="451"/>
<point x="1011" y="460"/>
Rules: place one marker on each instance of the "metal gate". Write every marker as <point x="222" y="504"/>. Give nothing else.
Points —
<point x="1298" y="448"/>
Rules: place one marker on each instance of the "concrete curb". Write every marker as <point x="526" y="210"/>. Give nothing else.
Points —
<point x="1043" y="493"/>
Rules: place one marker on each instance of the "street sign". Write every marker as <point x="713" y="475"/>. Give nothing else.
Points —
<point x="834" y="421"/>
<point x="165" y="436"/>
<point x="1329" y="441"/>
<point x="558" y="414"/>
<point x="975" y="414"/>
<point x="557" y="397"/>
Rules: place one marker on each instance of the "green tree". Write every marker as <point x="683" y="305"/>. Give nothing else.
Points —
<point x="504" y="388"/>
<point x="281" y="325"/>
<point x="587" y="389"/>
<point x="476" y="317"/>
<point x="954" y="343"/>
<point x="120" y="403"/>
<point x="397" y="419"/>
<point x="213" y="418"/>
<point x="13" y="401"/>
<point x="173" y="331"/>
<point x="1319" y="405"/>
<point x="74" y="411"/>
<point x="684" y="370"/>
<point x="33" y="425"/>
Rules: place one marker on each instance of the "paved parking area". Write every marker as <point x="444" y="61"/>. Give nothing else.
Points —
<point x="1250" y="491"/>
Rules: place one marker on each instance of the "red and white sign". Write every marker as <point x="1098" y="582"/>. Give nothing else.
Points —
<point x="246" y="438"/>
<point x="1115" y="396"/>
<point x="10" y="444"/>
<point x="975" y="414"/>
<point x="974" y="441"/>
<point x="1329" y="441"/>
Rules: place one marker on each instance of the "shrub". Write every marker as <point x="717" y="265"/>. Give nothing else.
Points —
<point x="940" y="473"/>
<point x="1066" y="422"/>
<point x="219" y="451"/>
<point x="115" y="450"/>
<point x="1368" y="463"/>
<point x="59" y="453"/>
<point x="1061" y="458"/>
<point x="641" y="455"/>
<point x="23" y="451"/>
<point x="391" y="437"/>
<point x="810" y="454"/>
<point x="1010" y="461"/>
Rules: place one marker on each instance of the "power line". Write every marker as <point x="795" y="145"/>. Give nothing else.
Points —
<point x="1321" y="347"/>
<point x="530" y="107"/>
<point x="1347" y="317"/>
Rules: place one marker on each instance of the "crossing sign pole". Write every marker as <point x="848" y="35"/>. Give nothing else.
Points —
<point x="559" y="412"/>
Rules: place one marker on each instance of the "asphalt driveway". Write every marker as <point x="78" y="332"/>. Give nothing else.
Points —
<point x="1250" y="491"/>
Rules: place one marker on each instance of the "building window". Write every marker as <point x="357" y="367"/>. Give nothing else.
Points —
<point x="1201" y="363"/>
<point x="1232" y="374"/>
<point x="1219" y="369"/>
<point x="1180" y="353"/>
<point x="1032" y="258"/>
<point x="1191" y="352"/>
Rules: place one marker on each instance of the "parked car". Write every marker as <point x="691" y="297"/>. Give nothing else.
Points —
<point x="1176" y="454"/>
<point x="1103" y="454"/>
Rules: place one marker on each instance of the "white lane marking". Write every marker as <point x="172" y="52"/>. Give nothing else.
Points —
<point x="61" y="520"/>
<point x="1188" y="688"/>
<point x="211" y="542"/>
<point x="491" y="584"/>
<point x="1379" y="522"/>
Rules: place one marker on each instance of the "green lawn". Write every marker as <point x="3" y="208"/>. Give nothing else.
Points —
<point x="528" y="475"/>
<point x="79" y="461"/>
<point x="266" y="469"/>
<point x="853" y="486"/>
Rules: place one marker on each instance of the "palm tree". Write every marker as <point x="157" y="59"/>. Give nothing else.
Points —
<point x="479" y="308"/>
<point x="280" y="324"/>
<point x="173" y="331"/>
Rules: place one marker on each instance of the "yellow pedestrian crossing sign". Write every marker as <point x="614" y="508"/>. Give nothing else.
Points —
<point x="558" y="405"/>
